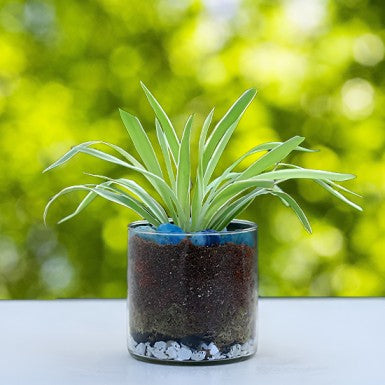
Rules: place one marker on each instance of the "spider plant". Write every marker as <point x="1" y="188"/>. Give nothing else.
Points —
<point x="194" y="199"/>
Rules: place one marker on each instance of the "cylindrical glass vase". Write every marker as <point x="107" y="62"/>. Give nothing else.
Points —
<point x="192" y="297"/>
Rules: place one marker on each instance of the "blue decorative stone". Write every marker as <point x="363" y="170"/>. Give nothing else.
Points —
<point x="246" y="238"/>
<point x="206" y="237"/>
<point x="169" y="228"/>
<point x="241" y="238"/>
<point x="146" y="232"/>
<point x="226" y="238"/>
<point x="145" y="228"/>
<point x="169" y="238"/>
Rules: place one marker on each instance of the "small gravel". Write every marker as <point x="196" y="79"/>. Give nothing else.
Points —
<point x="160" y="345"/>
<point x="140" y="349"/>
<point x="172" y="350"/>
<point x="204" y="346"/>
<point x="149" y="349"/>
<point x="246" y="348"/>
<point x="217" y="356"/>
<point x="235" y="351"/>
<point x="198" y="355"/>
<point x="173" y="344"/>
<point x="172" y="353"/>
<point x="184" y="354"/>
<point x="213" y="349"/>
<point x="131" y="342"/>
<point x="159" y="354"/>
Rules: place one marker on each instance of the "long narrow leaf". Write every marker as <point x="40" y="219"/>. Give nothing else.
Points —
<point x="303" y="173"/>
<point x="295" y="206"/>
<point x="103" y="156"/>
<point x="62" y="192"/>
<point x="165" y="122"/>
<point x="112" y="196"/>
<point x="165" y="151"/>
<point x="228" y="194"/>
<point x="328" y="181"/>
<point x="277" y="188"/>
<point x="141" y="142"/>
<point x="262" y="147"/>
<point x="219" y="184"/>
<point x="127" y="201"/>
<point x="139" y="191"/>
<point x="336" y="185"/>
<point x="122" y="152"/>
<point x="69" y="155"/>
<point x="228" y="175"/>
<point x="117" y="196"/>
<point x="337" y="194"/>
<point x="271" y="158"/>
<point x="233" y="114"/>
<point x="80" y="148"/>
<point x="198" y="193"/>
<point x="218" y="152"/>
<point x="204" y="131"/>
<point x="328" y="185"/>
<point x="183" y="179"/>
<point x="86" y="201"/>
<point x="227" y="214"/>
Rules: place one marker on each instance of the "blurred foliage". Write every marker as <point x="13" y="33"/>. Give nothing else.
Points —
<point x="66" y="67"/>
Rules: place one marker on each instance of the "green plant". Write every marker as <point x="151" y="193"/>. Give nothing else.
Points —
<point x="208" y="202"/>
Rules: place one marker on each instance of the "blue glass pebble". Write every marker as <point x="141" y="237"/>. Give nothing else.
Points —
<point x="146" y="232"/>
<point x="169" y="228"/>
<point x="145" y="228"/>
<point x="227" y="237"/>
<point x="169" y="238"/>
<point x="206" y="237"/>
<point x="246" y="238"/>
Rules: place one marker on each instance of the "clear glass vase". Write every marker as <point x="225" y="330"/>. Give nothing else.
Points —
<point x="192" y="297"/>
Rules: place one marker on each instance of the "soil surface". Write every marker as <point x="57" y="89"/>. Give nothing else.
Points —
<point x="192" y="293"/>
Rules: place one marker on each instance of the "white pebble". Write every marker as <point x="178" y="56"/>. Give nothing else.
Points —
<point x="213" y="349"/>
<point x="173" y="344"/>
<point x="131" y="342"/>
<point x="217" y="356"/>
<point x="247" y="348"/>
<point x="204" y="346"/>
<point x="184" y="354"/>
<point x="160" y="345"/>
<point x="198" y="355"/>
<point x="158" y="350"/>
<point x="140" y="349"/>
<point x="235" y="351"/>
<point x="159" y="354"/>
<point x="149" y="349"/>
<point x="172" y="353"/>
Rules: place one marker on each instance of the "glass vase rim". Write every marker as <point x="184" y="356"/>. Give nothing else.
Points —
<point x="249" y="228"/>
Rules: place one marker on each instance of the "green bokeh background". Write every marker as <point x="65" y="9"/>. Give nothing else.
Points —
<point x="66" y="67"/>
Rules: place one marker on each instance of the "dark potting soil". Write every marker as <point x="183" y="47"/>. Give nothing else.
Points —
<point x="190" y="293"/>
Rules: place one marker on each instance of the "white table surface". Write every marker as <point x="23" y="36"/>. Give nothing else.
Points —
<point x="301" y="341"/>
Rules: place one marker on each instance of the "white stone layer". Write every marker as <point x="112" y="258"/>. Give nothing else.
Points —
<point x="173" y="351"/>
